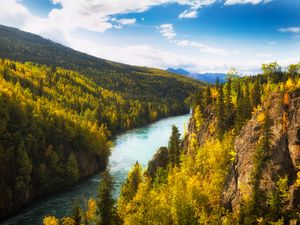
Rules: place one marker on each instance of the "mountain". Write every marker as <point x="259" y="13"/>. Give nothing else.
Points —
<point x="205" y="77"/>
<point x="210" y="77"/>
<point x="179" y="71"/>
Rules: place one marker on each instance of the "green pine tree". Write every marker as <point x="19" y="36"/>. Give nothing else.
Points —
<point x="220" y="113"/>
<point x="174" y="146"/>
<point x="23" y="178"/>
<point x="72" y="171"/>
<point x="228" y="105"/>
<point x="246" y="103"/>
<point x="130" y="187"/>
<point x="105" y="202"/>
<point x="208" y="97"/>
<point x="77" y="213"/>
<point x="256" y="93"/>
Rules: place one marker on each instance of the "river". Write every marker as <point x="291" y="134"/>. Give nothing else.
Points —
<point x="131" y="146"/>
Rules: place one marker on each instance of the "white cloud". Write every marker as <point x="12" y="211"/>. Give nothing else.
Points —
<point x="92" y="15"/>
<point x="253" y="2"/>
<point x="145" y="55"/>
<point x="167" y="31"/>
<point x="99" y="16"/>
<point x="290" y="29"/>
<point x="118" y="26"/>
<point x="188" y="14"/>
<point x="205" y="48"/>
<point x="127" y="21"/>
<point x="119" y="23"/>
<point x="13" y="13"/>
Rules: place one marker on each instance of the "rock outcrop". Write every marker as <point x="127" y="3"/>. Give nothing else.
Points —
<point x="283" y="159"/>
<point x="159" y="160"/>
<point x="206" y="131"/>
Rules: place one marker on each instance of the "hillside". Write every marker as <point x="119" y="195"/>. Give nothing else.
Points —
<point x="238" y="163"/>
<point x="129" y="81"/>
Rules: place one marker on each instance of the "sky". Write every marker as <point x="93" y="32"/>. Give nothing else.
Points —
<point x="196" y="35"/>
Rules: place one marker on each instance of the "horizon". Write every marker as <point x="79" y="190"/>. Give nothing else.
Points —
<point x="204" y="36"/>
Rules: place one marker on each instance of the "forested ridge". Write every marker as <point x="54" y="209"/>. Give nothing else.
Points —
<point x="238" y="163"/>
<point x="130" y="81"/>
<point x="56" y="125"/>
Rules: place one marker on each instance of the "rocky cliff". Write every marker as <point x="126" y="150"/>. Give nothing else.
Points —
<point x="282" y="159"/>
<point x="159" y="160"/>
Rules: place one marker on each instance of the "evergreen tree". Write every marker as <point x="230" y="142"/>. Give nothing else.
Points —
<point x="267" y="132"/>
<point x="129" y="188"/>
<point x="131" y="184"/>
<point x="24" y="165"/>
<point x="105" y="202"/>
<point x="228" y="105"/>
<point x="77" y="213"/>
<point x="217" y="83"/>
<point x="256" y="93"/>
<point x="246" y="103"/>
<point x="174" y="146"/>
<point x="220" y="113"/>
<point x="239" y="106"/>
<point x="72" y="171"/>
<point x="198" y="117"/>
<point x="208" y="97"/>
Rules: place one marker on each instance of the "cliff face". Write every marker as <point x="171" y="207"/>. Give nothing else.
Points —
<point x="201" y="134"/>
<point x="159" y="160"/>
<point x="281" y="160"/>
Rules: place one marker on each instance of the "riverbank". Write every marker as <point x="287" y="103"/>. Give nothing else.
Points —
<point x="139" y="144"/>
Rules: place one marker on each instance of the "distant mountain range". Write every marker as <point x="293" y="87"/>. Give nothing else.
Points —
<point x="206" y="77"/>
<point x="179" y="71"/>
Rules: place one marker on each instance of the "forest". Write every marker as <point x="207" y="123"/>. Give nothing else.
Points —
<point x="56" y="126"/>
<point x="190" y="187"/>
<point x="142" y="83"/>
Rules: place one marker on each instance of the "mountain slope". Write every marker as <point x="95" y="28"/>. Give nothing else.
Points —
<point x="130" y="81"/>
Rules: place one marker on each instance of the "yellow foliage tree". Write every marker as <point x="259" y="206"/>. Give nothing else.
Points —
<point x="50" y="220"/>
<point x="68" y="221"/>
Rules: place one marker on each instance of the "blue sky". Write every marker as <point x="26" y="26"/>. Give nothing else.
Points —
<point x="198" y="35"/>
